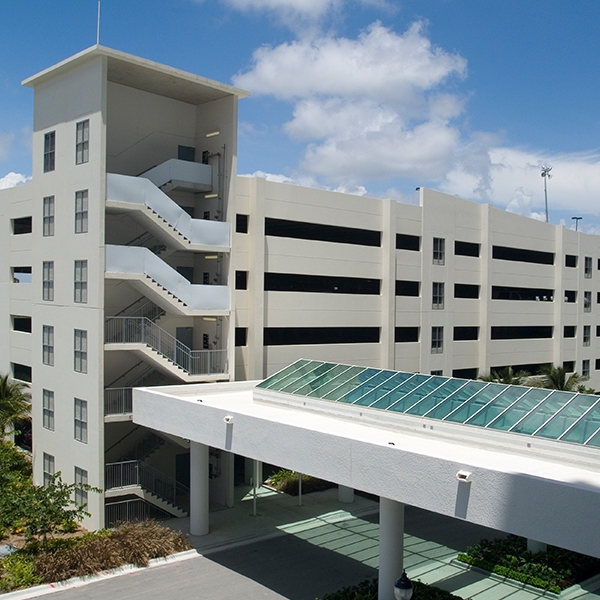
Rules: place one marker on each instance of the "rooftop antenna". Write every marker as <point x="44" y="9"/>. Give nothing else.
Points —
<point x="98" y="26"/>
<point x="546" y="175"/>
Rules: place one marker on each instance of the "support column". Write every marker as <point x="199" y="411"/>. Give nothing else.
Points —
<point x="345" y="494"/>
<point x="391" y="546"/>
<point x="198" y="489"/>
<point x="535" y="547"/>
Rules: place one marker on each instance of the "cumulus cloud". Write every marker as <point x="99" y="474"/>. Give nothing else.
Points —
<point x="309" y="8"/>
<point x="371" y="107"/>
<point x="13" y="179"/>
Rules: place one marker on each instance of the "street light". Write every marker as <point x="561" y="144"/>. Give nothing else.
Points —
<point x="403" y="588"/>
<point x="576" y="219"/>
<point x="546" y="175"/>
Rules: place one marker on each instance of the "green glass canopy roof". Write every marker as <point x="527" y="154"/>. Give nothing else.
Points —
<point x="552" y="414"/>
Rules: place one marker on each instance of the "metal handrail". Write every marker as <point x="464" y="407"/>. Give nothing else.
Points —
<point x="141" y="330"/>
<point x="132" y="510"/>
<point x="118" y="401"/>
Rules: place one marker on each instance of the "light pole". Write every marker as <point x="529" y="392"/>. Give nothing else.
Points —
<point x="576" y="219"/>
<point x="546" y="175"/>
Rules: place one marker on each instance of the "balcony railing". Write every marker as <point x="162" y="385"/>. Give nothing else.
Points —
<point x="118" y="401"/>
<point x="132" y="510"/>
<point x="140" y="330"/>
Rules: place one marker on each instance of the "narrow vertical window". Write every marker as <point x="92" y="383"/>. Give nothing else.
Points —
<point x="80" y="351"/>
<point x="82" y="141"/>
<point x="49" y="148"/>
<point x="48" y="216"/>
<point x="81" y="479"/>
<point x="80" y="292"/>
<point x="48" y="409"/>
<point x="438" y="295"/>
<point x="81" y="420"/>
<point x="48" y="345"/>
<point x="48" y="469"/>
<point x="585" y="368"/>
<point x="48" y="280"/>
<point x="439" y="251"/>
<point x="587" y="334"/>
<point x="437" y="340"/>
<point x="81" y="211"/>
<point x="587" y="267"/>
<point x="587" y="301"/>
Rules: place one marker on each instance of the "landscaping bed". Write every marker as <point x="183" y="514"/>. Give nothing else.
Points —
<point x="554" y="570"/>
<point x="367" y="590"/>
<point x="58" y="559"/>
<point x="287" y="482"/>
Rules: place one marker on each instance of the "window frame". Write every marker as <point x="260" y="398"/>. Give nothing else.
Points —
<point x="587" y="302"/>
<point x="80" y="351"/>
<point x="48" y="409"/>
<point x="80" y="478"/>
<point x="49" y="151"/>
<point x="48" y="468"/>
<point x="439" y="251"/>
<point x="587" y="267"/>
<point x="437" y="295"/>
<point x="587" y="335"/>
<point x="80" y="281"/>
<point x="48" y="280"/>
<point x="80" y="420"/>
<point x="81" y="211"/>
<point x="48" y="208"/>
<point x="437" y="340"/>
<point x="48" y="345"/>
<point x="82" y="142"/>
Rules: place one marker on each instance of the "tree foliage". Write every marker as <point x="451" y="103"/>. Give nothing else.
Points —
<point x="508" y="376"/>
<point x="15" y="402"/>
<point x="555" y="378"/>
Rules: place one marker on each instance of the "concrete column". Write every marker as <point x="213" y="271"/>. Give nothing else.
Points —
<point x="198" y="489"/>
<point x="345" y="494"/>
<point x="535" y="547"/>
<point x="391" y="546"/>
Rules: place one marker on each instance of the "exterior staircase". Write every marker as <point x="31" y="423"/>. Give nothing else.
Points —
<point x="154" y="278"/>
<point x="165" y="352"/>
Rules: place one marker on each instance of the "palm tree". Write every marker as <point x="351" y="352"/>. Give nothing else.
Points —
<point x="507" y="375"/>
<point x="555" y="378"/>
<point x="15" y="402"/>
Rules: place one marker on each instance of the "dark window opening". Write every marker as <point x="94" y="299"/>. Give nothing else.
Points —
<point x="22" y="324"/>
<point x="205" y="341"/>
<point x="570" y="296"/>
<point x="406" y="334"/>
<point x="569" y="366"/>
<point x="322" y="233"/>
<point x="408" y="242"/>
<point x="466" y="290"/>
<point x="21" y="274"/>
<point x="525" y="332"/>
<point x="300" y="336"/>
<point x="241" y="280"/>
<point x="22" y="225"/>
<point x="569" y="331"/>
<point x="597" y="364"/>
<point x="532" y="369"/>
<point x="466" y="249"/>
<point x="517" y="293"/>
<point x="407" y="288"/>
<point x="21" y="372"/>
<point x="292" y="282"/>
<point x="522" y="255"/>
<point x="597" y="330"/>
<point x="241" y="223"/>
<point x="466" y="333"/>
<point x="241" y="336"/>
<point x="570" y="260"/>
<point x="186" y="153"/>
<point x="465" y="373"/>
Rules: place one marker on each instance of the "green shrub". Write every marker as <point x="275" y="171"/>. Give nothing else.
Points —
<point x="367" y="590"/>
<point x="62" y="558"/>
<point x="287" y="481"/>
<point x="554" y="570"/>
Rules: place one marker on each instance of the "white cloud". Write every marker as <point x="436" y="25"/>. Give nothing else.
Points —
<point x="6" y="140"/>
<point x="371" y="107"/>
<point x="13" y="179"/>
<point x="309" y="8"/>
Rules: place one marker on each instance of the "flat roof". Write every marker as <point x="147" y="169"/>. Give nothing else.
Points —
<point x="145" y="75"/>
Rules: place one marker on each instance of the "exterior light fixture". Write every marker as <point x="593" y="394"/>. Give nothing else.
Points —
<point x="546" y="175"/>
<point x="211" y="256"/>
<point x="228" y="420"/>
<point x="209" y="318"/>
<point x="403" y="588"/>
<point x="576" y="219"/>
<point x="464" y="476"/>
<point x="210" y="196"/>
<point x="212" y="134"/>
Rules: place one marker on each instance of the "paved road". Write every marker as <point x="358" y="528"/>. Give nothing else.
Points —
<point x="283" y="568"/>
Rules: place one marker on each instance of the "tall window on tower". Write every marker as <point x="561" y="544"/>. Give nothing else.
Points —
<point x="49" y="148"/>
<point x="439" y="251"/>
<point x="82" y="142"/>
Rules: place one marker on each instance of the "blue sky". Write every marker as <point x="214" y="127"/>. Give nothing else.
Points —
<point x="368" y="96"/>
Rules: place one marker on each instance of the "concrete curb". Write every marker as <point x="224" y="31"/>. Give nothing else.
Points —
<point x="75" y="582"/>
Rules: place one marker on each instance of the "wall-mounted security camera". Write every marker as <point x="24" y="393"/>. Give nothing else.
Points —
<point x="464" y="476"/>
<point x="228" y="419"/>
